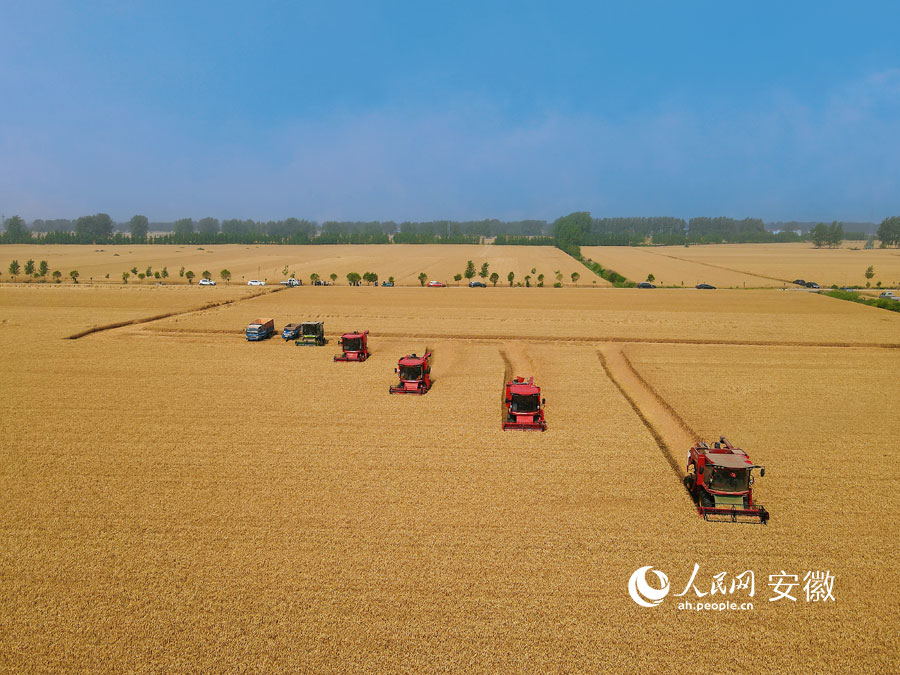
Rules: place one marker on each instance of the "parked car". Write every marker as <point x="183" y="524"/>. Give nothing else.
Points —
<point x="256" y="282"/>
<point x="645" y="284"/>
<point x="812" y="284"/>
<point x="889" y="295"/>
<point x="388" y="283"/>
<point x="290" y="283"/>
<point x="437" y="284"/>
<point x="206" y="282"/>
<point x="706" y="286"/>
<point x="477" y="284"/>
<point x="847" y="289"/>
<point x="799" y="282"/>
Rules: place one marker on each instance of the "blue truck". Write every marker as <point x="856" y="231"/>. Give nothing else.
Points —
<point x="260" y="329"/>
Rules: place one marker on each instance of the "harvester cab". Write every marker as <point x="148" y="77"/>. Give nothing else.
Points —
<point x="414" y="373"/>
<point x="312" y="333"/>
<point x="720" y="482"/>
<point x="354" y="346"/>
<point x="524" y="405"/>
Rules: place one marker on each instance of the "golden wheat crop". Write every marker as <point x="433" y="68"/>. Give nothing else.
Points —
<point x="176" y="498"/>
<point x="786" y="262"/>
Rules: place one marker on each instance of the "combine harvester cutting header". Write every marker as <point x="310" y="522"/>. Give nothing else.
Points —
<point x="415" y="375"/>
<point x="354" y="347"/>
<point x="524" y="405"/>
<point x="312" y="333"/>
<point x="720" y="483"/>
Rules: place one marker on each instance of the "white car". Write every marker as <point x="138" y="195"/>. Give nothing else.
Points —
<point x="206" y="282"/>
<point x="256" y="282"/>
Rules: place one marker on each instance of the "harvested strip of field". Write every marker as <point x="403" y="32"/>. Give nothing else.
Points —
<point x="636" y="263"/>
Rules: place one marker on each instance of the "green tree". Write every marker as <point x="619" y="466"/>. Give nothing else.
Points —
<point x="206" y="274"/>
<point x="575" y="277"/>
<point x="139" y="226"/>
<point x="43" y="268"/>
<point x="96" y="228"/>
<point x="870" y="272"/>
<point x="333" y="277"/>
<point x="889" y="231"/>
<point x="483" y="272"/>
<point x="134" y="270"/>
<point x="165" y="272"/>
<point x="819" y="235"/>
<point x="208" y="227"/>
<point x="184" y="227"/>
<point x="189" y="275"/>
<point x="156" y="275"/>
<point x="29" y="267"/>
<point x="559" y="277"/>
<point x="16" y="231"/>
<point x="141" y="276"/>
<point x="457" y="278"/>
<point x="225" y="275"/>
<point x="540" y="280"/>
<point x="149" y="271"/>
<point x="835" y="234"/>
<point x="313" y="278"/>
<point x="125" y="276"/>
<point x="651" y="278"/>
<point x="284" y="271"/>
<point x="510" y="278"/>
<point x="470" y="270"/>
<point x="569" y="231"/>
<point x="57" y="276"/>
<point x="495" y="278"/>
<point x="181" y="271"/>
<point x="527" y="281"/>
<point x="391" y="279"/>
<point x="74" y="274"/>
<point x="14" y="268"/>
<point x="424" y="277"/>
<point x="353" y="278"/>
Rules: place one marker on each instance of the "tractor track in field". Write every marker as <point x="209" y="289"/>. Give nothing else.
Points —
<point x="515" y="358"/>
<point x="159" y="317"/>
<point x="719" y="267"/>
<point x="671" y="433"/>
<point x="488" y="339"/>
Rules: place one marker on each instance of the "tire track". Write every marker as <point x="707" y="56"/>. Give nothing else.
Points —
<point x="719" y="267"/>
<point x="668" y="429"/>
<point x="158" y="317"/>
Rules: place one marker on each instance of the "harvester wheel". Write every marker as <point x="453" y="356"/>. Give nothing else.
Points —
<point x="707" y="500"/>
<point x="689" y="483"/>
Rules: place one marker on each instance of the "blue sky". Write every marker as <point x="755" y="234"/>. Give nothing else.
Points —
<point x="418" y="110"/>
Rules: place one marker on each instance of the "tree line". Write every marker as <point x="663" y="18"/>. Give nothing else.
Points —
<point x="575" y="229"/>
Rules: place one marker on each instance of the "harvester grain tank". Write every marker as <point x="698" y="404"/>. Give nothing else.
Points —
<point x="524" y="406"/>
<point x="720" y="483"/>
<point x="312" y="333"/>
<point x="414" y="373"/>
<point x="354" y="346"/>
<point x="260" y="329"/>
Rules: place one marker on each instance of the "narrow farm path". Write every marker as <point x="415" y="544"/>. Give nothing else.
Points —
<point x="672" y="434"/>
<point x="158" y="317"/>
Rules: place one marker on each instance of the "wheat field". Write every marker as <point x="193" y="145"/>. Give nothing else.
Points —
<point x="785" y="262"/>
<point x="176" y="498"/>
<point x="404" y="262"/>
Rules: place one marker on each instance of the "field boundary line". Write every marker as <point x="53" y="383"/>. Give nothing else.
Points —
<point x="158" y="317"/>
<point x="581" y="339"/>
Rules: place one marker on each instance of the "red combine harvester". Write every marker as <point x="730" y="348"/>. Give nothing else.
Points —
<point x="720" y="483"/>
<point x="524" y="405"/>
<point x="354" y="347"/>
<point x="415" y="375"/>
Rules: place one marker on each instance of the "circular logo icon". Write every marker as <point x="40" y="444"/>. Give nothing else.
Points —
<point x="642" y="592"/>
